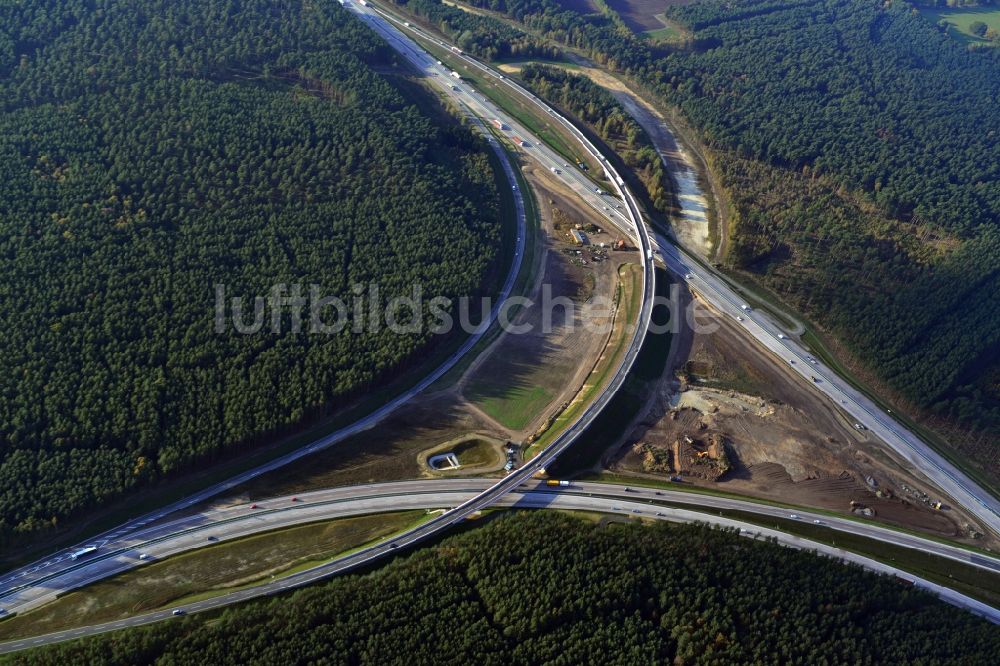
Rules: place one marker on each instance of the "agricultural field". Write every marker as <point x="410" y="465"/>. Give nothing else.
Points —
<point x="646" y="16"/>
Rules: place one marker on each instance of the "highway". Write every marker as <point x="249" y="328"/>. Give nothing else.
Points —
<point x="862" y="411"/>
<point x="19" y="589"/>
<point x="19" y="586"/>
<point x="18" y="578"/>
<point x="219" y="525"/>
<point x="719" y="294"/>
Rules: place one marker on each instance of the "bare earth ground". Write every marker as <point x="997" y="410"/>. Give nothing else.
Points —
<point x="781" y="441"/>
<point x="551" y="366"/>
<point x="690" y="218"/>
<point x="640" y="15"/>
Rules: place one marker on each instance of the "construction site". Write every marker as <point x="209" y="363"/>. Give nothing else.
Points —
<point x="730" y="417"/>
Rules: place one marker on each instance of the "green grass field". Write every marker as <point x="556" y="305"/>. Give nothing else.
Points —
<point x="516" y="406"/>
<point x="476" y="452"/>
<point x="667" y="33"/>
<point x="959" y="21"/>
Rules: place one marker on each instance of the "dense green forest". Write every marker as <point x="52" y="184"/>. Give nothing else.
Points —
<point x="152" y="149"/>
<point x="866" y="105"/>
<point x="546" y="588"/>
<point x="872" y="99"/>
<point x="484" y="36"/>
<point x="598" y="108"/>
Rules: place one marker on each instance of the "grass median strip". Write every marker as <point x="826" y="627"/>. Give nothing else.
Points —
<point x="207" y="572"/>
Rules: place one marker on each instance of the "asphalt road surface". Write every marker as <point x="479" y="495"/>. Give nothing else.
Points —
<point x="19" y="587"/>
<point x="717" y="292"/>
<point x="219" y="525"/>
<point x="25" y="575"/>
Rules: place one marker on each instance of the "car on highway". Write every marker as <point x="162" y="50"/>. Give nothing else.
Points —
<point x="781" y="336"/>
<point x="687" y="276"/>
<point x="745" y="307"/>
<point x="83" y="552"/>
<point x="636" y="511"/>
<point x="794" y="516"/>
<point x="792" y="361"/>
<point x="143" y="556"/>
<point x="177" y="611"/>
<point x="817" y="522"/>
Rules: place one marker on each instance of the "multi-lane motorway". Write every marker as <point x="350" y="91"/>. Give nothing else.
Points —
<point x="24" y="583"/>
<point x="871" y="419"/>
<point x="219" y="525"/>
<point x="32" y="583"/>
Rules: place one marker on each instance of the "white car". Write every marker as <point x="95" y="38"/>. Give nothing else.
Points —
<point x="817" y="522"/>
<point x="144" y="556"/>
<point x="177" y="611"/>
<point x="739" y="319"/>
<point x="687" y="276"/>
<point x="792" y="361"/>
<point x="794" y="516"/>
<point x="781" y="336"/>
